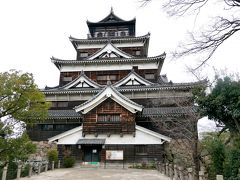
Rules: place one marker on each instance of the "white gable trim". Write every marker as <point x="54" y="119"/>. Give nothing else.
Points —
<point x="143" y="136"/>
<point x="64" y="134"/>
<point x="109" y="49"/>
<point x="150" y="132"/>
<point x="133" y="79"/>
<point x="108" y="92"/>
<point x="83" y="80"/>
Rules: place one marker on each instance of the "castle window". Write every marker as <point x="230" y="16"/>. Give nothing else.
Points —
<point x="123" y="33"/>
<point x="99" y="34"/>
<point x="149" y="76"/>
<point x="60" y="127"/>
<point x="141" y="150"/>
<point x="106" y="77"/>
<point x="67" y="78"/>
<point x="47" y="127"/>
<point x="111" y="33"/>
<point x="138" y="53"/>
<point x="105" y="118"/>
<point x="62" y="104"/>
<point x="83" y="54"/>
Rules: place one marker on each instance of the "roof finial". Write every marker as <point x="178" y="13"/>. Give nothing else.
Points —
<point x="111" y="9"/>
<point x="82" y="72"/>
<point x="109" y="83"/>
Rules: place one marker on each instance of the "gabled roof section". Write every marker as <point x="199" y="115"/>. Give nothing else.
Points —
<point x="133" y="79"/>
<point x="64" y="134"/>
<point x="108" y="92"/>
<point x="82" y="81"/>
<point x="111" y="17"/>
<point x="109" y="51"/>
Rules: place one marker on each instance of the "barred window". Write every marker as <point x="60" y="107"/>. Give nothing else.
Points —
<point x="149" y="76"/>
<point x="67" y="78"/>
<point x="141" y="150"/>
<point x="138" y="53"/>
<point x="108" y="118"/>
<point x="123" y="33"/>
<point x="59" y="126"/>
<point x="99" y="34"/>
<point x="47" y="127"/>
<point x="111" y="33"/>
<point x="106" y="77"/>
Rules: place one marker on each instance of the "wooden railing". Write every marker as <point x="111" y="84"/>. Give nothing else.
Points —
<point x="34" y="168"/>
<point x="179" y="173"/>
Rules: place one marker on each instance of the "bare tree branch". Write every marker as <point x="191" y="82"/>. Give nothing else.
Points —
<point x="209" y="40"/>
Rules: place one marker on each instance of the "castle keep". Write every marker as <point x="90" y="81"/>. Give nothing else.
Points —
<point x="109" y="95"/>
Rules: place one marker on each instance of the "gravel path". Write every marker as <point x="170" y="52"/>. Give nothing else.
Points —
<point x="98" y="174"/>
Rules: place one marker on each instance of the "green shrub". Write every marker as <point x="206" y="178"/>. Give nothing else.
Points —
<point x="68" y="162"/>
<point x="25" y="170"/>
<point x="12" y="170"/>
<point x="52" y="155"/>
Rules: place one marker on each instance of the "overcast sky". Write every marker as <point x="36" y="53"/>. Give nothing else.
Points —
<point x="34" y="30"/>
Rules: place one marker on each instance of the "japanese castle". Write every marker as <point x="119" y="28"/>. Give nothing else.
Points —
<point x="113" y="98"/>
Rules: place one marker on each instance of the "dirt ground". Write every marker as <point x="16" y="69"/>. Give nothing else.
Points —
<point x="98" y="174"/>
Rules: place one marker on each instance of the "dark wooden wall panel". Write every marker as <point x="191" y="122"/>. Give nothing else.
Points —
<point x="126" y="125"/>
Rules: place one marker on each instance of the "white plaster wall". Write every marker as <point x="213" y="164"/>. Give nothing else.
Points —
<point x="89" y="46"/>
<point x="107" y="67"/>
<point x="140" y="138"/>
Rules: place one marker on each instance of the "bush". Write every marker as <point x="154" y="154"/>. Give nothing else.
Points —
<point x="25" y="170"/>
<point x="68" y="162"/>
<point x="144" y="165"/>
<point x="52" y="155"/>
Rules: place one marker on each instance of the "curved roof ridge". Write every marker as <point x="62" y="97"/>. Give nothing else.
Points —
<point x="124" y="97"/>
<point x="111" y="17"/>
<point x="75" y="81"/>
<point x="109" y="43"/>
<point x="108" y="92"/>
<point x="120" y="82"/>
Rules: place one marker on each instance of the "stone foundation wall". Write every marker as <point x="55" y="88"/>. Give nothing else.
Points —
<point x="42" y="148"/>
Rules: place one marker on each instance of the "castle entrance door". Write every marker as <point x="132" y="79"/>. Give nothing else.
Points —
<point x="91" y="153"/>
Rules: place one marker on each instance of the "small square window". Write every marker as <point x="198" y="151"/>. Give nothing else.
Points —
<point x="149" y="76"/>
<point x="83" y="54"/>
<point x="67" y="78"/>
<point x="138" y="53"/>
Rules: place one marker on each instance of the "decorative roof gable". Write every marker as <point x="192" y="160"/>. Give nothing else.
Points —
<point x="133" y="79"/>
<point x="111" y="17"/>
<point x="82" y="81"/>
<point x="108" y="92"/>
<point x="109" y="51"/>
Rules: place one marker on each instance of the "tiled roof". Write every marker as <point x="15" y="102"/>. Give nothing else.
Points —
<point x="167" y="111"/>
<point x="113" y="39"/>
<point x="57" y="61"/>
<point x="167" y="86"/>
<point x="60" y="114"/>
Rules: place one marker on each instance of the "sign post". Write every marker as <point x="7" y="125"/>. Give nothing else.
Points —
<point x="114" y="155"/>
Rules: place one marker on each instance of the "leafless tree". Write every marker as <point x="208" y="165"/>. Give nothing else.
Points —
<point x="215" y="33"/>
<point x="183" y="149"/>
